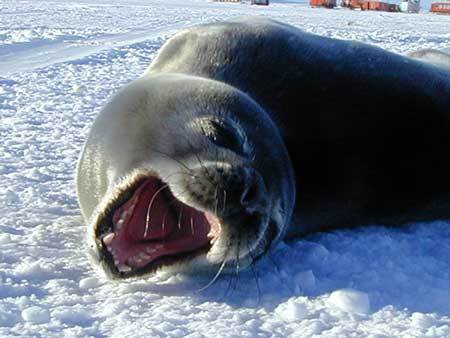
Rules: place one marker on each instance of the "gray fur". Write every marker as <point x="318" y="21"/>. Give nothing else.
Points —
<point x="367" y="130"/>
<point x="364" y="131"/>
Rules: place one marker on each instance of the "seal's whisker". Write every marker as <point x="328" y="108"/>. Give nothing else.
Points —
<point x="231" y="286"/>
<point x="202" y="165"/>
<point x="189" y="172"/>
<point x="212" y="281"/>
<point x="164" y="224"/>
<point x="180" y="215"/>
<point x="230" y="282"/>
<point x="237" y="255"/>
<point x="224" y="201"/>
<point x="222" y="266"/>
<point x="255" y="275"/>
<point x="192" y="225"/>
<point x="173" y="159"/>
<point x="237" y="265"/>
<point x="147" y="217"/>
<point x="216" y="201"/>
<point x="180" y="173"/>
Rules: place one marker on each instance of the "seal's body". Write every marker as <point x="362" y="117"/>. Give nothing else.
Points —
<point x="203" y="156"/>
<point x="368" y="131"/>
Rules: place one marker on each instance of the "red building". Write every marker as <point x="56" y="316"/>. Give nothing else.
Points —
<point x="375" y="6"/>
<point x="442" y="7"/>
<point x="371" y="5"/>
<point x="352" y="4"/>
<point x="323" y="3"/>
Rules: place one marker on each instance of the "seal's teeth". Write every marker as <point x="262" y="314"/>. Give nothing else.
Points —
<point x="131" y="208"/>
<point x="116" y="262"/>
<point x="123" y="268"/>
<point x="144" y="256"/>
<point x="213" y="240"/>
<point x="154" y="249"/>
<point x="107" y="239"/>
<point x="135" y="260"/>
<point x="109" y="249"/>
<point x="119" y="224"/>
<point x="123" y="215"/>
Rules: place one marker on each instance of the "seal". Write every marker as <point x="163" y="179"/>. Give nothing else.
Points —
<point x="244" y="132"/>
<point x="437" y="57"/>
<point x="175" y="171"/>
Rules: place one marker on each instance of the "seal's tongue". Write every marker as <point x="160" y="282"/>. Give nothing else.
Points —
<point x="153" y="224"/>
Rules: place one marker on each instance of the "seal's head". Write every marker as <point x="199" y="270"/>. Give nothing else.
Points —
<point x="182" y="169"/>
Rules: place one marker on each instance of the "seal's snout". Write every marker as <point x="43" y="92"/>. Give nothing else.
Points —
<point x="229" y="190"/>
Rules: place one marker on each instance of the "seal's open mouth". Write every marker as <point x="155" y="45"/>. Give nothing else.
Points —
<point x="153" y="228"/>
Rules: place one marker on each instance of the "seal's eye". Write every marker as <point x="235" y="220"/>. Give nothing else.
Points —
<point x="226" y="136"/>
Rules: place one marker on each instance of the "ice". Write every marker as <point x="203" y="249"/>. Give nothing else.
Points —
<point x="59" y="64"/>
<point x="351" y="301"/>
<point x="36" y="314"/>
<point x="292" y="310"/>
<point x="72" y="317"/>
<point x="422" y="320"/>
<point x="89" y="283"/>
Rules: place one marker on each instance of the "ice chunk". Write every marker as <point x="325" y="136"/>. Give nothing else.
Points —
<point x="36" y="314"/>
<point x="293" y="310"/>
<point x="349" y="300"/>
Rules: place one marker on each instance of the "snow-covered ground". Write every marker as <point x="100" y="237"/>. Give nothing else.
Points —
<point x="59" y="63"/>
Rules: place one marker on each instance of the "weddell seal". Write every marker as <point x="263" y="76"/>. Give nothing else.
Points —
<point x="243" y="132"/>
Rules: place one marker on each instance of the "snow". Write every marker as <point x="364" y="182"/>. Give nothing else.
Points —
<point x="36" y="314"/>
<point x="59" y="63"/>
<point x="351" y="301"/>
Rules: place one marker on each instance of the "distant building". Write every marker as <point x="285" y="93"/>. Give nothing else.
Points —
<point x="371" y="5"/>
<point x="410" y="6"/>
<point x="441" y="7"/>
<point x="260" y="2"/>
<point x="323" y="3"/>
